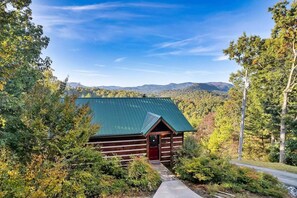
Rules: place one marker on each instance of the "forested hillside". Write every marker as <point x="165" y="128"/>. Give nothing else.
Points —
<point x="157" y="89"/>
<point x="98" y="92"/>
<point x="195" y="105"/>
<point x="271" y="124"/>
<point x="43" y="139"/>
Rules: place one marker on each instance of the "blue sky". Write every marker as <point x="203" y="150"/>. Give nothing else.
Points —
<point x="129" y="43"/>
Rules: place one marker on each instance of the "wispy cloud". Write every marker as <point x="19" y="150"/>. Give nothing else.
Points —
<point x="169" y="53"/>
<point x="200" y="72"/>
<point x="141" y="70"/>
<point x="151" y="64"/>
<point x="101" y="6"/>
<point x="221" y="58"/>
<point x="199" y="45"/>
<point x="180" y="43"/>
<point x="99" y="22"/>
<point x="100" y="65"/>
<point x="89" y="73"/>
<point x="113" y="5"/>
<point x="118" y="60"/>
<point x="49" y="21"/>
<point x="189" y="51"/>
<point x="202" y="49"/>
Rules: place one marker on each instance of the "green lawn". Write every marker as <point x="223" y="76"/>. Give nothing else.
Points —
<point x="277" y="166"/>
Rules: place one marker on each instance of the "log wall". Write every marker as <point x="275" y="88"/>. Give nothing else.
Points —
<point x="126" y="147"/>
<point x="165" y="146"/>
<point x="123" y="147"/>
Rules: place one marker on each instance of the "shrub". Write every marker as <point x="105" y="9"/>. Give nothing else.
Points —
<point x="220" y="173"/>
<point x="203" y="169"/>
<point x="90" y="175"/>
<point x="291" y="152"/>
<point x="260" y="183"/>
<point x="39" y="178"/>
<point x="190" y="148"/>
<point x="142" y="176"/>
<point x="273" y="155"/>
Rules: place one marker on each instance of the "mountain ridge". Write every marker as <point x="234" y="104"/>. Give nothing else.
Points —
<point x="155" y="88"/>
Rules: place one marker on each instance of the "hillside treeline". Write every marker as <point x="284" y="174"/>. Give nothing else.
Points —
<point x="43" y="139"/>
<point x="271" y="114"/>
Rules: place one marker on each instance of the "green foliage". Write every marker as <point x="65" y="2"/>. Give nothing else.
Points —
<point x="211" y="169"/>
<point x="97" y="92"/>
<point x="142" y="176"/>
<point x="271" y="103"/>
<point x="43" y="129"/>
<point x="190" y="148"/>
<point x="224" y="138"/>
<point x="291" y="152"/>
<point x="273" y="155"/>
<point x="203" y="169"/>
<point x="195" y="104"/>
<point x="40" y="178"/>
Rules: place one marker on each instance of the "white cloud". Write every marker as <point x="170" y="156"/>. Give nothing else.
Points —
<point x="194" y="72"/>
<point x="201" y="49"/>
<point x="141" y="70"/>
<point x="170" y="53"/>
<point x="101" y="6"/>
<point x="118" y="60"/>
<point x="180" y="43"/>
<point x="100" y="65"/>
<point x="221" y="58"/>
<point x="89" y="73"/>
<point x="199" y="45"/>
<point x="113" y="5"/>
<point x="190" y="51"/>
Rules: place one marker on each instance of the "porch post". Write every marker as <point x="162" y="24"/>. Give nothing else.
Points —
<point x="160" y="147"/>
<point x="148" y="147"/>
<point x="171" y="148"/>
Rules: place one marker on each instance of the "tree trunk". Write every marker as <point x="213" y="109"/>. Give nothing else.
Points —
<point x="283" y="129"/>
<point x="290" y="86"/>
<point x="241" y="134"/>
<point x="272" y="139"/>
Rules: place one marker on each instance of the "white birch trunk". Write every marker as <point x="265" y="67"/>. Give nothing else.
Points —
<point x="290" y="86"/>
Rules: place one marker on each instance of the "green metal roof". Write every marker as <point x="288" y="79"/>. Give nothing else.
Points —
<point x="134" y="116"/>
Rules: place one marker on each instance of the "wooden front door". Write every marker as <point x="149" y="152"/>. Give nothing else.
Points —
<point x="154" y="147"/>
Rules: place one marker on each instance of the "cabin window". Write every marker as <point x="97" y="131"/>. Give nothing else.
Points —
<point x="154" y="141"/>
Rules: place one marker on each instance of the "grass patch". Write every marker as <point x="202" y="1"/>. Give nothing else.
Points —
<point x="272" y="165"/>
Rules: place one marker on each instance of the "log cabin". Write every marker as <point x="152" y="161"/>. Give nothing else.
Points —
<point x="151" y="127"/>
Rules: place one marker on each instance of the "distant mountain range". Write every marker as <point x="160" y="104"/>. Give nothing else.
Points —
<point x="151" y="88"/>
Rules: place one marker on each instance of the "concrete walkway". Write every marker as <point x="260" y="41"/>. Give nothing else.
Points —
<point x="171" y="187"/>
<point x="289" y="179"/>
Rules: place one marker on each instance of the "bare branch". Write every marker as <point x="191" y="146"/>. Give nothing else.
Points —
<point x="292" y="87"/>
<point x="291" y="79"/>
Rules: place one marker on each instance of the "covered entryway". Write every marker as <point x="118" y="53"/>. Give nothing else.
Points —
<point x="161" y="141"/>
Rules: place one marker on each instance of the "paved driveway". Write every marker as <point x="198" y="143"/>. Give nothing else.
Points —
<point x="289" y="179"/>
